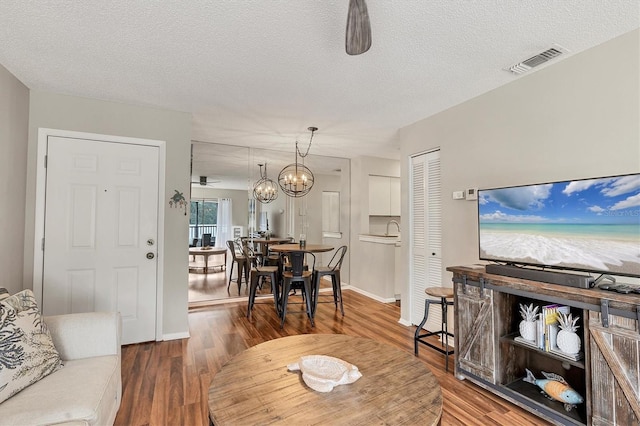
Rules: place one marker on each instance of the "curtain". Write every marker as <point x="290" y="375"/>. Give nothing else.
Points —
<point x="224" y="232"/>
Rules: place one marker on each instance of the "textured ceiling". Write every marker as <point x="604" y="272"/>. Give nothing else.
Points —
<point x="258" y="73"/>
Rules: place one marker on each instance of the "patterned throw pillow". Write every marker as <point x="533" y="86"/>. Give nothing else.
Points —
<point x="27" y="353"/>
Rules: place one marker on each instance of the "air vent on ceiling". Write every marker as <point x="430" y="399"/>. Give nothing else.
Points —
<point x="536" y="60"/>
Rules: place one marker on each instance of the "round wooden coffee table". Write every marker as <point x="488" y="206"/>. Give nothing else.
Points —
<point x="255" y="386"/>
<point x="206" y="252"/>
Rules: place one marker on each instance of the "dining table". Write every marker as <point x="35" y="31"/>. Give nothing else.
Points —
<point x="307" y="248"/>
<point x="268" y="241"/>
<point x="265" y="243"/>
<point x="256" y="386"/>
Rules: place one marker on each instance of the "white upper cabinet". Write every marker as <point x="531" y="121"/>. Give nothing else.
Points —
<point x="394" y="199"/>
<point x="384" y="196"/>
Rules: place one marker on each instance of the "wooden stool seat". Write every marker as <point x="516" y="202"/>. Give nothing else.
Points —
<point x="256" y="273"/>
<point x="446" y="292"/>
<point x="441" y="293"/>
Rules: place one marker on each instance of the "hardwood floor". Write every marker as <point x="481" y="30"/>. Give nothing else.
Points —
<point x="210" y="286"/>
<point x="166" y="383"/>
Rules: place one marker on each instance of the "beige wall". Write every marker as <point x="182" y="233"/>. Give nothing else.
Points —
<point x="14" y="127"/>
<point x="578" y="118"/>
<point x="48" y="110"/>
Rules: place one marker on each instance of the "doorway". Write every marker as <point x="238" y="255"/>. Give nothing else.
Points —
<point x="97" y="209"/>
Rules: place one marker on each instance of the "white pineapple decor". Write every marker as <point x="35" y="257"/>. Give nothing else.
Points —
<point x="528" y="328"/>
<point x="568" y="341"/>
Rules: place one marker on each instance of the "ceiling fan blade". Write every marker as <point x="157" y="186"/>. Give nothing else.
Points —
<point x="358" y="38"/>
<point x="204" y="181"/>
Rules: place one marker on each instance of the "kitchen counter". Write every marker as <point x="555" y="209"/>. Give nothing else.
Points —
<point x="380" y="239"/>
<point x="378" y="276"/>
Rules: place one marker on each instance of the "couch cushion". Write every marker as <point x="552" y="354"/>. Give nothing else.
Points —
<point x="27" y="353"/>
<point x="85" y="391"/>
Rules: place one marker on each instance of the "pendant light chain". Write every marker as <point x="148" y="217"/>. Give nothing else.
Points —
<point x="313" y="129"/>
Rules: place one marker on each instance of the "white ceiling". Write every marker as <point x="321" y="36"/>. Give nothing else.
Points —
<point x="258" y="73"/>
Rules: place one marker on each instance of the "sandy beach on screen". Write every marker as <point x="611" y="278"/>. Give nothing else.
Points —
<point x="580" y="253"/>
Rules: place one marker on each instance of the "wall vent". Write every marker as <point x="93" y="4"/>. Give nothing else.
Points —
<point x="536" y="60"/>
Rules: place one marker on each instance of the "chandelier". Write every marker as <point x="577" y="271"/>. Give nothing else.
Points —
<point x="265" y="190"/>
<point x="296" y="180"/>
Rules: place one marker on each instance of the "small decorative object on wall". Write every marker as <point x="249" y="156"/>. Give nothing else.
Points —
<point x="178" y="201"/>
<point x="528" y="326"/>
<point x="556" y="387"/>
<point x="568" y="341"/>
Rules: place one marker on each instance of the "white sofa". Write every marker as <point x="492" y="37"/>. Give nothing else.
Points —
<point x="87" y="390"/>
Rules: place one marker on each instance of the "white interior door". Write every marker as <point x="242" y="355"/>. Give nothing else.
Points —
<point x="426" y="235"/>
<point x="100" y="232"/>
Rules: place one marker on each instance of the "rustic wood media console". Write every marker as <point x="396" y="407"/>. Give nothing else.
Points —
<point x="608" y="376"/>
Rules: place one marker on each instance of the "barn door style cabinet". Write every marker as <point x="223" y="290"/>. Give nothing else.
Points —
<point x="491" y="354"/>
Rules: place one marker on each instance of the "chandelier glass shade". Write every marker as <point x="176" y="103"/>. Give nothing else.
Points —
<point x="296" y="179"/>
<point x="265" y="190"/>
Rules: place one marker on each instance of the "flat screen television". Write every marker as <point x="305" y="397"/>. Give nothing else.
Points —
<point x="590" y="225"/>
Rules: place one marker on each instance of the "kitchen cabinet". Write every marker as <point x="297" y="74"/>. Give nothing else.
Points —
<point x="489" y="354"/>
<point x="384" y="196"/>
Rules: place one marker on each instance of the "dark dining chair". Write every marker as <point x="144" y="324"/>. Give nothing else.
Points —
<point x="332" y="270"/>
<point x="258" y="272"/>
<point x="298" y="278"/>
<point x="237" y="259"/>
<point x="273" y="258"/>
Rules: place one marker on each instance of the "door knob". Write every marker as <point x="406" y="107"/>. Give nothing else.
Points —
<point x="150" y="255"/>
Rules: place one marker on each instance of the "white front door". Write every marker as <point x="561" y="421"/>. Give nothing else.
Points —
<point x="100" y="232"/>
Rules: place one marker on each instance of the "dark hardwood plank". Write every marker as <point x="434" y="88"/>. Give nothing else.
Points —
<point x="166" y="383"/>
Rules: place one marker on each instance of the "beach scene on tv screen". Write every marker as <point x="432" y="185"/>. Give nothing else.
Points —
<point x="591" y="224"/>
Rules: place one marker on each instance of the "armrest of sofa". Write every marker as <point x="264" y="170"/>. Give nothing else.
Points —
<point x="85" y="335"/>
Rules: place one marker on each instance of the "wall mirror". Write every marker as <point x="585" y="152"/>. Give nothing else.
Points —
<point x="229" y="172"/>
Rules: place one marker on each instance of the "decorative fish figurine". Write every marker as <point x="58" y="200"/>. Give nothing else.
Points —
<point x="555" y="387"/>
<point x="321" y="373"/>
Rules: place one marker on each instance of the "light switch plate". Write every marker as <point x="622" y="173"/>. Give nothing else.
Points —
<point x="458" y="195"/>
<point x="471" y="194"/>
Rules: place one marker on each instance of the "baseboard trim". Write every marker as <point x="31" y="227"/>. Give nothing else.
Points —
<point x="404" y="322"/>
<point x="176" y="336"/>
<point x="370" y="295"/>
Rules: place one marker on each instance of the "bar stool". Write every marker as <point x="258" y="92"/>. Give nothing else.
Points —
<point x="256" y="273"/>
<point x="297" y="277"/>
<point x="241" y="261"/>
<point x="443" y="293"/>
<point x="332" y="270"/>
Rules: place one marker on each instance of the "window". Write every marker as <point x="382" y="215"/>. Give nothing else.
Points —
<point x="203" y="220"/>
<point x="331" y="214"/>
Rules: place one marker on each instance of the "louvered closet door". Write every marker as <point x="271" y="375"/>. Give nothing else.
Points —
<point x="426" y="235"/>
